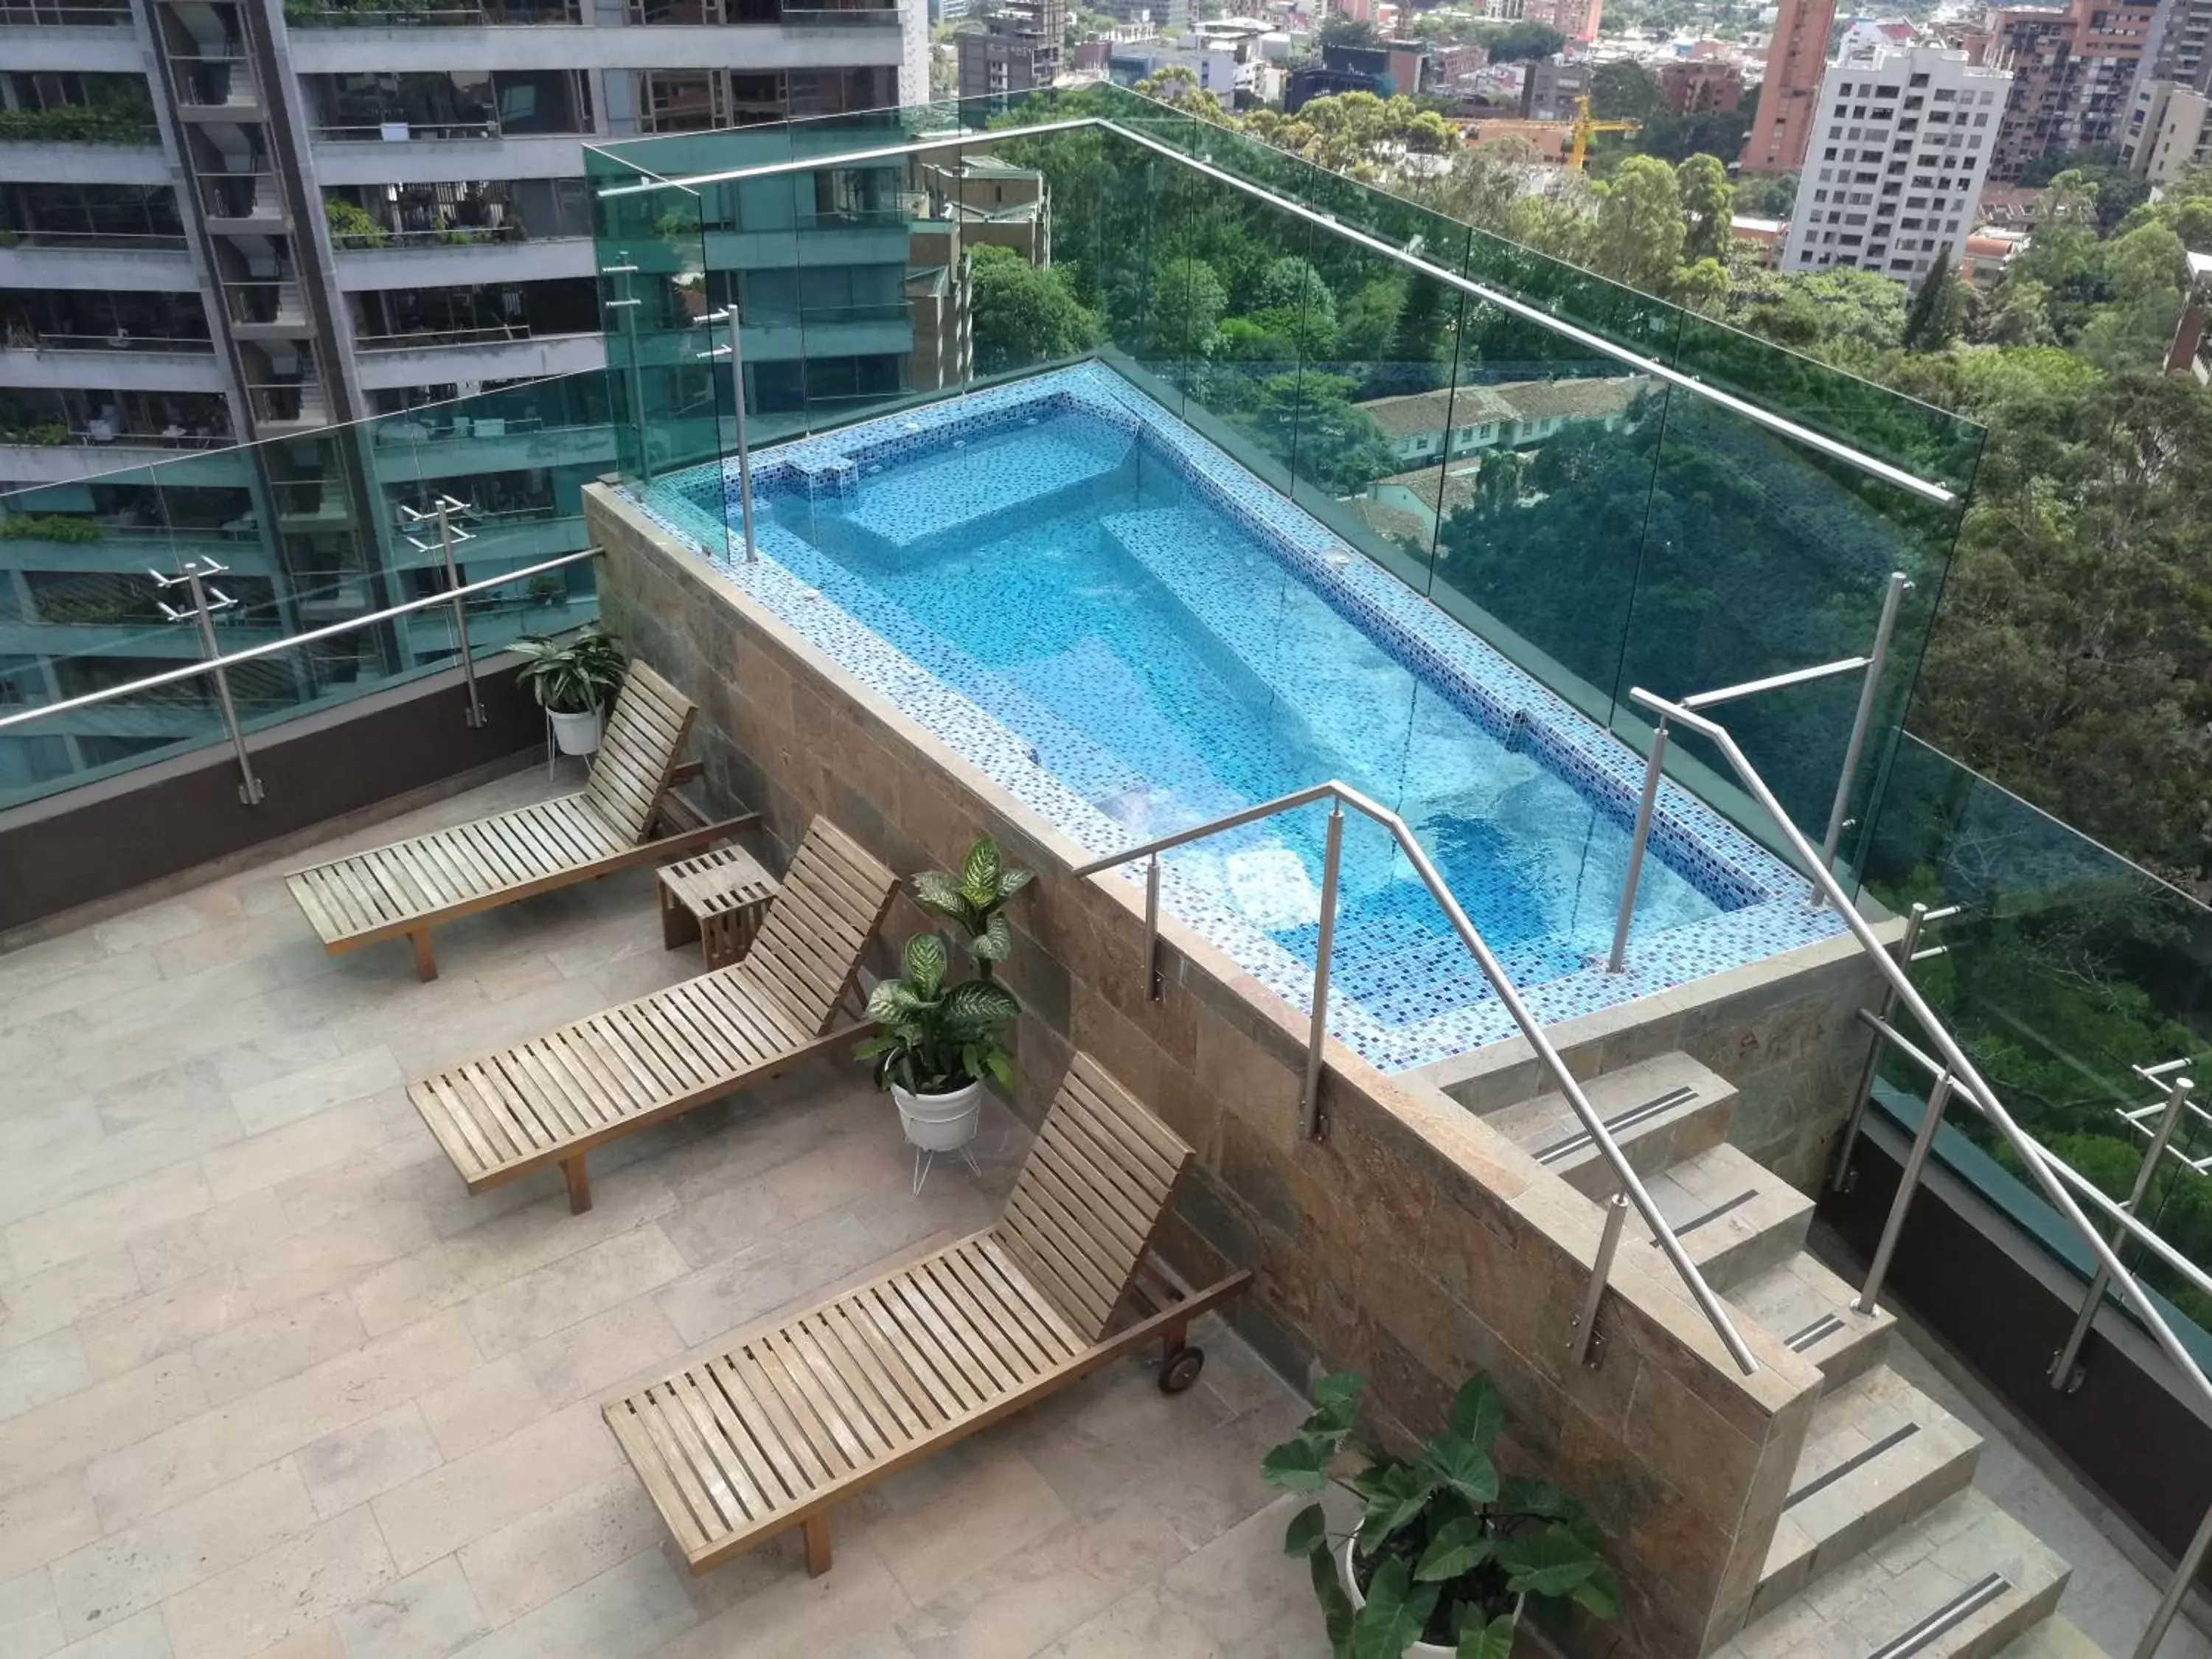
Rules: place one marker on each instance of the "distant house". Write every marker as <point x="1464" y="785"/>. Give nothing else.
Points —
<point x="1455" y="422"/>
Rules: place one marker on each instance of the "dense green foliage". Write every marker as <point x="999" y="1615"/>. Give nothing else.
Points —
<point x="1024" y="314"/>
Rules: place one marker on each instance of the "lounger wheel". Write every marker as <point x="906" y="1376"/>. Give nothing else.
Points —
<point x="1182" y="1369"/>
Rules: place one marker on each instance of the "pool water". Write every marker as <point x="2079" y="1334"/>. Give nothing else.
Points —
<point x="1158" y="656"/>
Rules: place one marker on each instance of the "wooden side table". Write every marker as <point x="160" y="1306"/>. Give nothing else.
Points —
<point x="717" y="898"/>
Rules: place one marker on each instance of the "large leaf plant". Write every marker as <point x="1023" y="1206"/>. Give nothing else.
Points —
<point x="573" y="676"/>
<point x="975" y="901"/>
<point x="934" y="1037"/>
<point x="1447" y="1551"/>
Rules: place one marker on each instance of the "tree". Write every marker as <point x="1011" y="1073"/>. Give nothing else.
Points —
<point x="1933" y="322"/>
<point x="1625" y="90"/>
<point x="1707" y="206"/>
<point x="1174" y="84"/>
<point x="1024" y="315"/>
<point x="1844" y="316"/>
<point x="1638" y="235"/>
<point x="1519" y="42"/>
<point x="1188" y="303"/>
<point x="1767" y="195"/>
<point x="1341" y="31"/>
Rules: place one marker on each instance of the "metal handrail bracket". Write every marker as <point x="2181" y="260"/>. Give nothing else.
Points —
<point x="1341" y="795"/>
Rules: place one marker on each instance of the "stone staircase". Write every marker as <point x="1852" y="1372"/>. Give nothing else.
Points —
<point x="1885" y="1549"/>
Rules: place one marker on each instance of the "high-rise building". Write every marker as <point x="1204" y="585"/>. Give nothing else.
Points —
<point x="1552" y="89"/>
<point x="1018" y="48"/>
<point x="2166" y="128"/>
<point x="2074" y="69"/>
<point x="1795" y="63"/>
<point x="232" y="220"/>
<point x="1697" y="85"/>
<point x="1900" y="149"/>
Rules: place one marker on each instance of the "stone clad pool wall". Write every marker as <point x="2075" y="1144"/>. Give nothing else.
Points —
<point x="1415" y="1244"/>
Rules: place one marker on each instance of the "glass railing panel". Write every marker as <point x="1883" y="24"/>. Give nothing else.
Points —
<point x="2067" y="968"/>
<point x="296" y="533"/>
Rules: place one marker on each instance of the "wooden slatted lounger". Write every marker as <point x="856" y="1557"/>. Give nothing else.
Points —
<point x="552" y="1099"/>
<point x="798" y="1416"/>
<point x="409" y="886"/>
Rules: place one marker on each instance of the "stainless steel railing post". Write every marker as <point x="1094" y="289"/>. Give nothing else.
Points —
<point x="1618" y="959"/>
<point x="1584" y="1346"/>
<point x="198" y="587"/>
<point x="2184" y="1575"/>
<point x="1317" y="1034"/>
<point x="1869" y="690"/>
<point x="445" y="506"/>
<point x="1914" y="921"/>
<point x="745" y="448"/>
<point x="1939" y="1097"/>
<point x="2064" y="1374"/>
<point x="1152" y="987"/>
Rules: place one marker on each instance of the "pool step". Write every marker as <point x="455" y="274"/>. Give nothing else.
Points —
<point x="1662" y="1111"/>
<point x="1878" y="1454"/>
<point x="1736" y="1217"/>
<point x="1809" y="1309"/>
<point x="2054" y="1638"/>
<point x="1963" y="1581"/>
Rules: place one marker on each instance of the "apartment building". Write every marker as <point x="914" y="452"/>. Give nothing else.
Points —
<point x="2166" y="128"/>
<point x="1898" y="157"/>
<point x="1018" y="48"/>
<point x="1797" y="59"/>
<point x="1699" y="86"/>
<point x="224" y="220"/>
<point x="1553" y="90"/>
<point x="2074" y="69"/>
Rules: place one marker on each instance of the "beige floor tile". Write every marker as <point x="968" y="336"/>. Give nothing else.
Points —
<point x="765" y="1607"/>
<point x="280" y="1592"/>
<point x="481" y="1406"/>
<point x="463" y="1500"/>
<point x="281" y="1343"/>
<point x="42" y="1303"/>
<point x="591" y="1358"/>
<point x="43" y="1370"/>
<point x="239" y="1229"/>
<point x="142" y="1566"/>
<point x="30" y="1625"/>
<point x="311" y="1143"/>
<point x="572" y="1289"/>
<point x="958" y="1513"/>
<point x="169" y="1321"/>
<point x="317" y="1088"/>
<point x="551" y="1550"/>
<point x="104" y="1218"/>
<point x="41" y="1519"/>
<point x="181" y="1462"/>
<point x="142" y="1637"/>
<point x="367" y="1459"/>
<point x="629" y="1610"/>
<point x="334" y="1253"/>
<point x="426" y="1615"/>
<point x="93" y="1421"/>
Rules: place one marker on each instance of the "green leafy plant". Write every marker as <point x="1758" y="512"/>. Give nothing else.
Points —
<point x="936" y="1037"/>
<point x="351" y="224"/>
<point x="1447" y="1551"/>
<point x="976" y="900"/>
<point x="570" y="676"/>
<point x="49" y="527"/>
<point x="547" y="589"/>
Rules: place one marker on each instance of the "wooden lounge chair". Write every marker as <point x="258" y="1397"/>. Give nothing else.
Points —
<point x="552" y="1099"/>
<point x="411" y="886"/>
<point x="801" y="1414"/>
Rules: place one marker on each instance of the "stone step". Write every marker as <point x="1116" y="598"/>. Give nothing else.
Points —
<point x="1736" y="1217"/>
<point x="1961" y="1582"/>
<point x="1662" y="1111"/>
<point x="2054" y="1638"/>
<point x="1807" y="1309"/>
<point x="1879" y="1454"/>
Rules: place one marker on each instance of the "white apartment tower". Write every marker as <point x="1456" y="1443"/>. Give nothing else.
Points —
<point x="1900" y="147"/>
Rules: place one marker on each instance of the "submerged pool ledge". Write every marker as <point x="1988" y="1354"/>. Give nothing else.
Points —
<point x="1766" y="907"/>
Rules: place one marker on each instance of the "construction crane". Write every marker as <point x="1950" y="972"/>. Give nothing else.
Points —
<point x="1583" y="127"/>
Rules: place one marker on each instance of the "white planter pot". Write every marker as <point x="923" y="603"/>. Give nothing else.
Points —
<point x="575" y="734"/>
<point x="940" y="1123"/>
<point x="1416" y="1649"/>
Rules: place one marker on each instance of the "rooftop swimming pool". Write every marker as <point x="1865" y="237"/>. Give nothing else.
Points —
<point x="1133" y="635"/>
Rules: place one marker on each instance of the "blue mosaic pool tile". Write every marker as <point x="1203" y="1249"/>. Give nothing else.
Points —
<point x="1418" y="998"/>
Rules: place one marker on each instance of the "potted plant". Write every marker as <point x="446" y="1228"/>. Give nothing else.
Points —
<point x="572" y="680"/>
<point x="976" y="900"/>
<point x="935" y="1044"/>
<point x="1447" y="1553"/>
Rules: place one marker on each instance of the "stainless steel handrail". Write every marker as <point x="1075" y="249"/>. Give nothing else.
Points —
<point x="1343" y="795"/>
<point x="291" y="641"/>
<point x="2058" y="1181"/>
